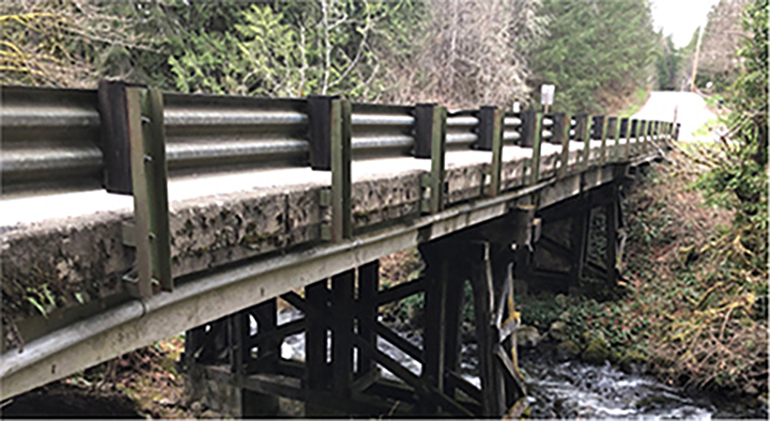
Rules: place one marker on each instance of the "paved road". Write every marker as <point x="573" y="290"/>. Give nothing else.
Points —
<point x="692" y="111"/>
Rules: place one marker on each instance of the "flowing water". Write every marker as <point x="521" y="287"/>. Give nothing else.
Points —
<point x="574" y="389"/>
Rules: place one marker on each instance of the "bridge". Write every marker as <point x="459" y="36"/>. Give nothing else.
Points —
<point x="130" y="215"/>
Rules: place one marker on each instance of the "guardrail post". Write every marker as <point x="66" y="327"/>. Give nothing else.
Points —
<point x="319" y="116"/>
<point x="632" y="124"/>
<point x="115" y="144"/>
<point x="135" y="152"/>
<point x="641" y="137"/>
<point x="330" y="149"/>
<point x="600" y="127"/>
<point x="561" y="128"/>
<point x="583" y="134"/>
<point x="430" y="142"/>
<point x="491" y="139"/>
<point x="613" y="132"/>
<point x="342" y="222"/>
<point x="487" y="129"/>
<point x="531" y="125"/>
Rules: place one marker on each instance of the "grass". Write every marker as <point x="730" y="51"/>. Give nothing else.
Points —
<point x="708" y="128"/>
<point x="637" y="101"/>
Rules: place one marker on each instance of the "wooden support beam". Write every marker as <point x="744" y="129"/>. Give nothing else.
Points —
<point x="267" y="340"/>
<point x="385" y="333"/>
<point x="492" y="382"/>
<point x="434" y="328"/>
<point x="401" y="291"/>
<point x="361" y="405"/>
<point x="238" y="341"/>
<point x="318" y="371"/>
<point x="281" y="332"/>
<point x="453" y="321"/>
<point x="579" y="242"/>
<point x="424" y="389"/>
<point x="343" y="313"/>
<point x="611" y="216"/>
<point x="295" y="300"/>
<point x="455" y="380"/>
<point x="368" y="284"/>
<point x="558" y="248"/>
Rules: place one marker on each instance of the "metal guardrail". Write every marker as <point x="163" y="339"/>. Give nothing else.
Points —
<point x="207" y="133"/>
<point x="380" y="131"/>
<point x="461" y="130"/>
<point x="52" y="139"/>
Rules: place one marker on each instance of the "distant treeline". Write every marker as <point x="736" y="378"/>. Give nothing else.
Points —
<point x="459" y="53"/>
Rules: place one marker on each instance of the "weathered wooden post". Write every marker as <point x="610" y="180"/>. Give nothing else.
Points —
<point x="561" y="129"/>
<point x="583" y="134"/>
<point x="490" y="134"/>
<point x="430" y="143"/>
<point x="330" y="150"/>
<point x="531" y="127"/>
<point x="133" y="144"/>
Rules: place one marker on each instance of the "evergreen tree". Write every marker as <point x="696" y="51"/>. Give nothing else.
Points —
<point x="596" y="51"/>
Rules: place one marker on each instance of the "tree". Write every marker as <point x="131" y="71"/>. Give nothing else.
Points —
<point x="717" y="60"/>
<point x="668" y="64"/>
<point x="473" y="53"/>
<point x="69" y="43"/>
<point x="738" y="178"/>
<point x="596" y="51"/>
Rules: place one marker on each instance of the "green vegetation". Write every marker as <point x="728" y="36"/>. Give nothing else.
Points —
<point x="463" y="54"/>
<point x="668" y="64"/>
<point x="637" y="101"/>
<point x="695" y="303"/>
<point x="596" y="51"/>
<point x="707" y="128"/>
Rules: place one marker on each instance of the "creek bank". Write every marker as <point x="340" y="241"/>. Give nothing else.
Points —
<point x="568" y="339"/>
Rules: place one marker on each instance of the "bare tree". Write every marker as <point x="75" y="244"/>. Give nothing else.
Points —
<point x="474" y="53"/>
<point x="721" y="37"/>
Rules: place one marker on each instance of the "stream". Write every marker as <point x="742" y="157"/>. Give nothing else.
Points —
<point x="574" y="389"/>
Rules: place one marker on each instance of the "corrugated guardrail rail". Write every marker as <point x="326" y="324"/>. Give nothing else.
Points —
<point x="52" y="139"/>
<point x="211" y="133"/>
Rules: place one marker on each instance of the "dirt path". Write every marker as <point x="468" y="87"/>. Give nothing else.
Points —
<point x="691" y="110"/>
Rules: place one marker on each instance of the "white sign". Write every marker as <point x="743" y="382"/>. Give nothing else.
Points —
<point x="547" y="94"/>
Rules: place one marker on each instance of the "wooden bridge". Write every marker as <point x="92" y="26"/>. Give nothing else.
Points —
<point x="131" y="215"/>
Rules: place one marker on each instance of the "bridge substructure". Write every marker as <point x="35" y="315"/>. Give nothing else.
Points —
<point x="343" y="366"/>
<point x="132" y="216"/>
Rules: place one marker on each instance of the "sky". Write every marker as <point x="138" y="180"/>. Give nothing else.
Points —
<point x="680" y="18"/>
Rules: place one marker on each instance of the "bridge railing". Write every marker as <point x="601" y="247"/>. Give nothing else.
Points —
<point x="131" y="140"/>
